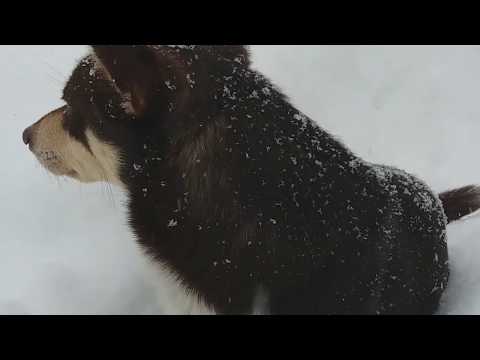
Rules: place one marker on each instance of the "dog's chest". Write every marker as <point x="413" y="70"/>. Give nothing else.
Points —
<point x="172" y="297"/>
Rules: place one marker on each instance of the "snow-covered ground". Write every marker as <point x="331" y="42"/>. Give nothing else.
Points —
<point x="65" y="248"/>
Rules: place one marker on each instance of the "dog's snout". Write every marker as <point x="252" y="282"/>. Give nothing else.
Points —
<point x="27" y="135"/>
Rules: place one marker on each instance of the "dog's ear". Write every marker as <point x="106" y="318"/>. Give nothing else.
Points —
<point x="133" y="70"/>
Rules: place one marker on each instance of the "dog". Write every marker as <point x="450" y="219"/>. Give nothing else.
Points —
<point x="244" y="202"/>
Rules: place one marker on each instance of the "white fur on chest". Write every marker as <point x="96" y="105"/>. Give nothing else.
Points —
<point x="172" y="297"/>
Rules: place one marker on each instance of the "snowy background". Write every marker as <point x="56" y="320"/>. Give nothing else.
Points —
<point x="65" y="248"/>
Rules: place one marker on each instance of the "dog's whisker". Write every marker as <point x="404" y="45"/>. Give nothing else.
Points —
<point x="55" y="82"/>
<point x="54" y="70"/>
<point x="108" y="188"/>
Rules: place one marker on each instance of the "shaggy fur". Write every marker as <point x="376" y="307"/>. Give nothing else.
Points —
<point x="239" y="194"/>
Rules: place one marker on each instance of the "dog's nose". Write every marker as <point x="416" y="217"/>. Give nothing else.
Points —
<point x="27" y="135"/>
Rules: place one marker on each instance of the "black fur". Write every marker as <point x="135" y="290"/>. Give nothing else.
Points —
<point x="237" y="191"/>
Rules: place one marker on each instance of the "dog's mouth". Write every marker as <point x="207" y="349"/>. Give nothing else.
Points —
<point x="47" y="156"/>
<point x="53" y="163"/>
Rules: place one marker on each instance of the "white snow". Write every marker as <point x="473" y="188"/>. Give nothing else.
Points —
<point x="65" y="248"/>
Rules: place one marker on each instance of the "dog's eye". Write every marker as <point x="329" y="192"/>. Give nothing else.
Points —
<point x="73" y="122"/>
<point x="69" y="115"/>
<point x="67" y="111"/>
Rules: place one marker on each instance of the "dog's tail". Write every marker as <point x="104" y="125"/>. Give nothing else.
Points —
<point x="460" y="202"/>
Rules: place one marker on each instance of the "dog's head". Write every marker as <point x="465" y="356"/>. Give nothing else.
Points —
<point x="117" y="96"/>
